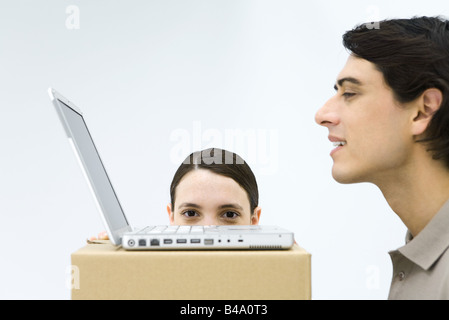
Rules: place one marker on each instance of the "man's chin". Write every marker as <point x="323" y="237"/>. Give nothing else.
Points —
<point x="345" y="177"/>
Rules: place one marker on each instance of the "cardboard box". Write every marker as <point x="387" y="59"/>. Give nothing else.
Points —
<point x="103" y="271"/>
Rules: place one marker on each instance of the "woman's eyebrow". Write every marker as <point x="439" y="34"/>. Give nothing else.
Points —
<point x="230" y="205"/>
<point x="223" y="206"/>
<point x="189" y="205"/>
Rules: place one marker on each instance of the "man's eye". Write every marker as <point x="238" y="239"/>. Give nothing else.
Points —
<point x="190" y="214"/>
<point x="348" y="94"/>
<point x="230" y="215"/>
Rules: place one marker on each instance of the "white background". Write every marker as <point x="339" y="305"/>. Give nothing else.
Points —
<point x="159" y="78"/>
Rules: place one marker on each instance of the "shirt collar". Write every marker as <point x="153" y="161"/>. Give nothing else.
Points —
<point x="425" y="249"/>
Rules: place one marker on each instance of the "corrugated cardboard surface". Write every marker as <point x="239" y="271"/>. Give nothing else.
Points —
<point x="107" y="272"/>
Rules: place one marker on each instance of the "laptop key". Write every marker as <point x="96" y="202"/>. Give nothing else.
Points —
<point x="197" y="230"/>
<point x="183" y="230"/>
<point x="144" y="230"/>
<point x="157" y="230"/>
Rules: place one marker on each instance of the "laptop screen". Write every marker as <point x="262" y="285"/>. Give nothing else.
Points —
<point x="94" y="170"/>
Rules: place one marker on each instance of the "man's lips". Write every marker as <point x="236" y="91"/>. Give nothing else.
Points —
<point x="337" y="142"/>
<point x="336" y="139"/>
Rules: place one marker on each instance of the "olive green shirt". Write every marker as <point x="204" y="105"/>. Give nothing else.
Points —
<point x="421" y="267"/>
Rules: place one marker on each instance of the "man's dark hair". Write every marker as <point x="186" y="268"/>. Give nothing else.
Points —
<point x="413" y="56"/>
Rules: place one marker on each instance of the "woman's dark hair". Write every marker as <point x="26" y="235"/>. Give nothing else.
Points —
<point x="413" y="55"/>
<point x="221" y="162"/>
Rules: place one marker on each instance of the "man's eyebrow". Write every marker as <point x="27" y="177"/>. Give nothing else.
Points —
<point x="347" y="79"/>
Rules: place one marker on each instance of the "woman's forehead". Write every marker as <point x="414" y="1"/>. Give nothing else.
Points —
<point x="206" y="188"/>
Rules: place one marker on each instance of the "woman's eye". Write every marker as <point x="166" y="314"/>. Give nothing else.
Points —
<point x="230" y="215"/>
<point x="190" y="214"/>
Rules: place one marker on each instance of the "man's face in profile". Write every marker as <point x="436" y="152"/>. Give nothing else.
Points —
<point x="370" y="130"/>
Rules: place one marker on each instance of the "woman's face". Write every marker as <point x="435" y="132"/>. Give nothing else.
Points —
<point x="207" y="198"/>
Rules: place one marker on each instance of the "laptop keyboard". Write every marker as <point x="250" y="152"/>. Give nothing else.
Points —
<point x="165" y="230"/>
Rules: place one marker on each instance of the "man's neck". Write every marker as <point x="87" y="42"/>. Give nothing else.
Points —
<point x="417" y="192"/>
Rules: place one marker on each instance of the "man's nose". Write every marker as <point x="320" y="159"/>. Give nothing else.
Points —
<point x="327" y="115"/>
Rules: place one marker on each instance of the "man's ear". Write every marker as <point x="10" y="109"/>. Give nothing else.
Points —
<point x="427" y="104"/>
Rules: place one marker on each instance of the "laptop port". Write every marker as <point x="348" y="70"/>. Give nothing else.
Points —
<point x="131" y="243"/>
<point x="154" y="242"/>
<point x="181" y="241"/>
<point x="142" y="243"/>
<point x="195" y="240"/>
<point x="168" y="241"/>
<point x="209" y="241"/>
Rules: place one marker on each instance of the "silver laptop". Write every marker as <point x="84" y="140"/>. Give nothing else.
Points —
<point x="167" y="237"/>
